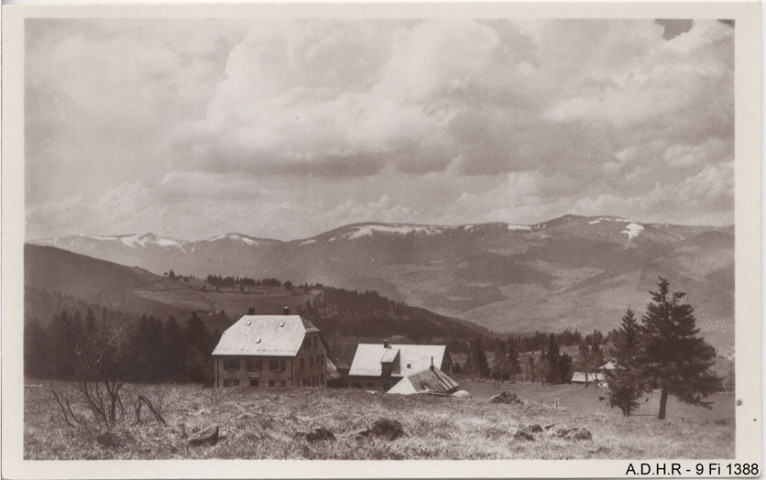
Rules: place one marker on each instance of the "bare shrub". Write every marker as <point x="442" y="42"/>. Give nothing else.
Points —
<point x="103" y="361"/>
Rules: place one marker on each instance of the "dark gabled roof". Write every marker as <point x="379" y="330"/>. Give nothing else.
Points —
<point x="430" y="380"/>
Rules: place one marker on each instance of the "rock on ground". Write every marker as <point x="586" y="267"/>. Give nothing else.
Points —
<point x="387" y="429"/>
<point x="206" y="435"/>
<point x="574" y="433"/>
<point x="522" y="435"/>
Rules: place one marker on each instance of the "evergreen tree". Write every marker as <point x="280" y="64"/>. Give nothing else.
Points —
<point x="626" y="381"/>
<point x="552" y="361"/>
<point x="512" y="360"/>
<point x="500" y="365"/>
<point x="174" y="353"/>
<point x="675" y="358"/>
<point x="36" y="350"/>
<point x="585" y="362"/>
<point x="149" y="344"/>
<point x="198" y="342"/>
<point x="478" y="359"/>
<point x="64" y="332"/>
<point x="565" y="369"/>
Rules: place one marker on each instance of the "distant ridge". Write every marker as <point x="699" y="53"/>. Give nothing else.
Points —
<point x="568" y="272"/>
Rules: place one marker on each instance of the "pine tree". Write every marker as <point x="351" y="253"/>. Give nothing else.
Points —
<point x="198" y="349"/>
<point x="512" y="359"/>
<point x="585" y="362"/>
<point x="174" y="351"/>
<point x="36" y="350"/>
<point x="478" y="359"/>
<point x="500" y="366"/>
<point x="552" y="361"/>
<point x="675" y="359"/>
<point x="626" y="382"/>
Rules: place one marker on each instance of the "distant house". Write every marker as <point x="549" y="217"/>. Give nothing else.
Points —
<point x="430" y="380"/>
<point x="580" y="377"/>
<point x="381" y="366"/>
<point x="597" y="377"/>
<point x="271" y="351"/>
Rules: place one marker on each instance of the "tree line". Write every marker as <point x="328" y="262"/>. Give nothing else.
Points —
<point x="229" y="281"/>
<point x="664" y="352"/>
<point x="144" y="349"/>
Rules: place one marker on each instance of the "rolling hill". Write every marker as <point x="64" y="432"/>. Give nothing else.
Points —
<point x="56" y="279"/>
<point x="570" y="272"/>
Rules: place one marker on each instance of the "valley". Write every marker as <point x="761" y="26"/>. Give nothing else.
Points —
<point x="571" y="272"/>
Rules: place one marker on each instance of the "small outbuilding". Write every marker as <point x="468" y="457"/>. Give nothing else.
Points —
<point x="381" y="366"/>
<point x="580" y="377"/>
<point x="430" y="380"/>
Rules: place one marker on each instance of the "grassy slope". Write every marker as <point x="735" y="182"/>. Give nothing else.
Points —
<point x="270" y="424"/>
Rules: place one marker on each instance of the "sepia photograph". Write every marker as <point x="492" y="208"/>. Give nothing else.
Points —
<point x="276" y="235"/>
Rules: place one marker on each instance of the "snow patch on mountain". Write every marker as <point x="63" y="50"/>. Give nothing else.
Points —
<point x="516" y="228"/>
<point x="237" y="237"/>
<point x="307" y="242"/>
<point x="103" y="238"/>
<point x="632" y="230"/>
<point x="142" y="241"/>
<point x="607" y="219"/>
<point x="133" y="241"/>
<point x="168" y="242"/>
<point x="368" y="230"/>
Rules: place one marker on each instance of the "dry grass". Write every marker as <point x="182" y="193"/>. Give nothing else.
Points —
<point x="272" y="425"/>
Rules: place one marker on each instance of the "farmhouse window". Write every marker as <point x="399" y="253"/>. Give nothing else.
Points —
<point x="235" y="382"/>
<point x="303" y="364"/>
<point x="319" y="359"/>
<point x="315" y="342"/>
<point x="231" y="363"/>
<point x="271" y="383"/>
<point x="307" y="342"/>
<point x="254" y="364"/>
<point x="284" y="384"/>
<point x="253" y="382"/>
<point x="276" y="365"/>
<point x="311" y="361"/>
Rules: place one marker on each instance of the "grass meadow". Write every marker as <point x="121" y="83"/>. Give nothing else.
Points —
<point x="272" y="424"/>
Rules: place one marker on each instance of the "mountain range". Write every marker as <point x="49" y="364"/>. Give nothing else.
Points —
<point x="571" y="272"/>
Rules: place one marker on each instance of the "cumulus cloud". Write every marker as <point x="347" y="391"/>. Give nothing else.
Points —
<point x="238" y="123"/>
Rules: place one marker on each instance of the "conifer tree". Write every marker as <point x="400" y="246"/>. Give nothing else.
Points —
<point x="676" y="360"/>
<point x="478" y="359"/>
<point x="512" y="358"/>
<point x="552" y="361"/>
<point x="626" y="382"/>
<point x="36" y="350"/>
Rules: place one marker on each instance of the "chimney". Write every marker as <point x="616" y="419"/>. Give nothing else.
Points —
<point x="286" y="310"/>
<point x="432" y="363"/>
<point x="251" y="311"/>
<point x="385" y="344"/>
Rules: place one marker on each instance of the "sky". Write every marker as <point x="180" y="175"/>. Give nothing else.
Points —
<point x="191" y="128"/>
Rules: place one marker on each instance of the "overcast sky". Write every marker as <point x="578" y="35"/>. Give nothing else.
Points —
<point x="285" y="129"/>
